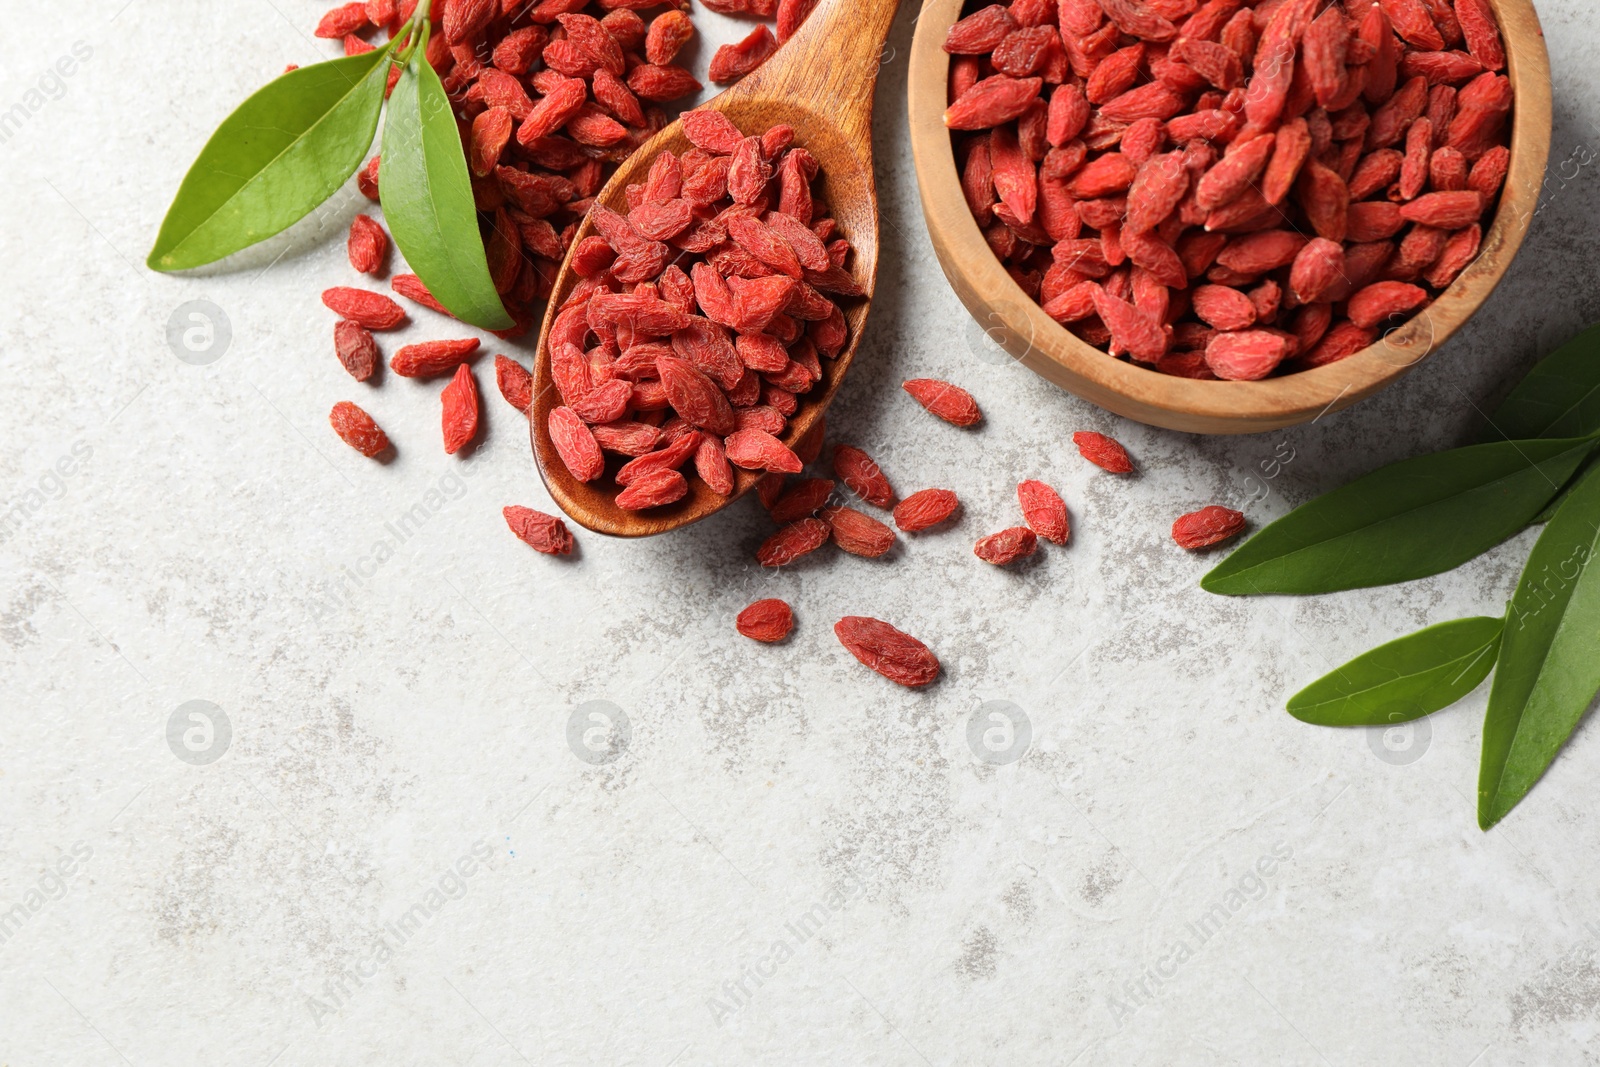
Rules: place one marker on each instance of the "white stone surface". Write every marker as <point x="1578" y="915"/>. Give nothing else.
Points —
<point x="985" y="914"/>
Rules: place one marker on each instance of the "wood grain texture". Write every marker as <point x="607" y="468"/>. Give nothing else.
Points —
<point x="820" y="82"/>
<point x="1048" y="348"/>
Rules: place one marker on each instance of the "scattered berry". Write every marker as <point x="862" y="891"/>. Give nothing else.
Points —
<point x="767" y="621"/>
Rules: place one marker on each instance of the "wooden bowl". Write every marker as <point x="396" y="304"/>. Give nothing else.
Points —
<point x="1020" y="325"/>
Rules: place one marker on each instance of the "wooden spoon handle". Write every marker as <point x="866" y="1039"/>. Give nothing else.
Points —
<point x="830" y="64"/>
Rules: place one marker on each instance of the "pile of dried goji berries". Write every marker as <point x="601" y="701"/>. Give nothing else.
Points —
<point x="702" y="317"/>
<point x="549" y="99"/>
<point x="1231" y="188"/>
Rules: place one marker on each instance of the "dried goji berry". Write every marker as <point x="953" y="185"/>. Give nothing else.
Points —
<point x="951" y="403"/>
<point x="755" y="449"/>
<point x="980" y="32"/>
<point x="430" y="359"/>
<point x="576" y="445"/>
<point x="356" y="428"/>
<point x="1460" y="250"/>
<point x="1223" y="307"/>
<point x="1206" y="527"/>
<point x="858" y="534"/>
<point x="1007" y="546"/>
<point x="711" y="131"/>
<point x="460" y="416"/>
<point x="1104" y="452"/>
<point x="801" y="500"/>
<point x="678" y="451"/>
<point x="1341" y="342"/>
<point x="1445" y="211"/>
<point x="367" y="179"/>
<point x="342" y="20"/>
<point x="372" y="310"/>
<point x="627" y="438"/>
<point x="925" y="509"/>
<point x="1481" y="33"/>
<point x="669" y="32"/>
<point x="767" y="621"/>
<point x="1317" y="267"/>
<point x="1380" y="301"/>
<point x="992" y="101"/>
<point x="654" y="489"/>
<point x="464" y="20"/>
<point x="695" y="397"/>
<point x="660" y="82"/>
<point x="1248" y="355"/>
<point x="897" y="656"/>
<point x="733" y="61"/>
<point x="356" y="348"/>
<point x="856" y="470"/>
<point x="711" y="463"/>
<point x="541" y="532"/>
<point x="1138" y="17"/>
<point x="795" y="540"/>
<point x="367" y="245"/>
<point x="1044" y="511"/>
<point x="515" y="383"/>
<point x="1413" y="23"/>
<point x="412" y="288"/>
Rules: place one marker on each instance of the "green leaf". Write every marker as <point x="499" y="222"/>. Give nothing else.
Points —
<point x="1551" y="508"/>
<point x="427" y="200"/>
<point x="1406" y="679"/>
<point x="1408" y="520"/>
<point x="1560" y="397"/>
<point x="1550" y="658"/>
<point x="283" y="152"/>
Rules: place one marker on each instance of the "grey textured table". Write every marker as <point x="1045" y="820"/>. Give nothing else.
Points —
<point x="412" y="843"/>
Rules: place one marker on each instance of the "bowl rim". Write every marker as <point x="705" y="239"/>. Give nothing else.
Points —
<point x="1020" y="325"/>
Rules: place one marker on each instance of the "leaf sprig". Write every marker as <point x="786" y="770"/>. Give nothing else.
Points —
<point x="1428" y="515"/>
<point x="297" y="141"/>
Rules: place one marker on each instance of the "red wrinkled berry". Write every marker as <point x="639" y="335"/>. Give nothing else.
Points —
<point x="515" y="383"/>
<point x="654" y="489"/>
<point x="460" y="417"/>
<point x="541" y="532"/>
<point x="367" y="245"/>
<point x="951" y="403"/>
<point x="925" y="509"/>
<point x="767" y="621"/>
<point x="372" y="310"/>
<point x="356" y="428"/>
<point x="357" y="349"/>
<point x="1007" y="546"/>
<point x="897" y="656"/>
<point x="858" y="534"/>
<point x="793" y="541"/>
<point x="1103" y="452"/>
<point x="430" y="359"/>
<point x="1045" y="511"/>
<point x="1206" y="527"/>
<point x="857" y="470"/>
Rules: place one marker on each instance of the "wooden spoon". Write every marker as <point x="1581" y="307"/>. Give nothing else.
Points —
<point x="821" y="83"/>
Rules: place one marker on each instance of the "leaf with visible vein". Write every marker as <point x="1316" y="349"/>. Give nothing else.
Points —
<point x="428" y="203"/>
<point x="1412" y="519"/>
<point x="1407" y="679"/>
<point x="1549" y="668"/>
<point x="283" y="152"/>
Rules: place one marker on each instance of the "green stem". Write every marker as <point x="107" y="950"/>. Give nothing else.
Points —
<point x="419" y="18"/>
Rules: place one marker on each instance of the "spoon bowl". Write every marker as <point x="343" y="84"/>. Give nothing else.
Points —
<point x="820" y="82"/>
